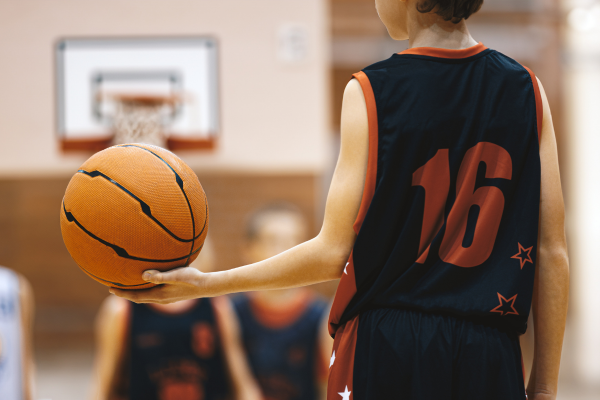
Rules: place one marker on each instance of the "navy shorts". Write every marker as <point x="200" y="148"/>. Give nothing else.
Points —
<point x="409" y="355"/>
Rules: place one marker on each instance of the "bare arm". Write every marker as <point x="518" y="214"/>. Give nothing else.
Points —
<point x="243" y="381"/>
<point x="111" y="325"/>
<point x="550" y="295"/>
<point x="27" y="313"/>
<point x="318" y="260"/>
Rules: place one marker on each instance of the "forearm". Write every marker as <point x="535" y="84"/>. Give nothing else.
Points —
<point x="318" y="260"/>
<point x="549" y="313"/>
<point x="311" y="262"/>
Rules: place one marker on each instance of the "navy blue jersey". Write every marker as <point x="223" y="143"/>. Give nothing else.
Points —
<point x="174" y="356"/>
<point x="449" y="216"/>
<point x="284" y="354"/>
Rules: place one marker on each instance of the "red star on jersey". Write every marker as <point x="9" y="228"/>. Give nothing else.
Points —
<point x="506" y="307"/>
<point x="523" y="255"/>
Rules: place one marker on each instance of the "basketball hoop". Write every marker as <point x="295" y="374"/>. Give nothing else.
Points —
<point x="124" y="89"/>
<point x="141" y="118"/>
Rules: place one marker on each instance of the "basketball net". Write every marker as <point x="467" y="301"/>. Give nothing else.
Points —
<point x="141" y="119"/>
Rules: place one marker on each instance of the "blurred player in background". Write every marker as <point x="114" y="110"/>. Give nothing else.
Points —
<point x="284" y="331"/>
<point x="189" y="350"/>
<point x="16" y="323"/>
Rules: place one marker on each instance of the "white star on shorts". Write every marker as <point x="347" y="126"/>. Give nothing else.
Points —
<point x="345" y="268"/>
<point x="346" y="394"/>
<point x="332" y="359"/>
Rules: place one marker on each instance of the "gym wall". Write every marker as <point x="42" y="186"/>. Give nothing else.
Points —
<point x="274" y="143"/>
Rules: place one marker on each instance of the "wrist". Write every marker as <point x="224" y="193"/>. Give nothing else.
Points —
<point x="214" y="284"/>
<point x="533" y="390"/>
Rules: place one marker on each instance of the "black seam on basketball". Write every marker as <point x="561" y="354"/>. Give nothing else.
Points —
<point x="180" y="183"/>
<point x="111" y="282"/>
<point x="203" y="226"/>
<point x="145" y="207"/>
<point x="121" y="252"/>
<point x="187" y="262"/>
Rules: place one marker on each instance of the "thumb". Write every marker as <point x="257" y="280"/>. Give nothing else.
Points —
<point x="178" y="275"/>
<point x="152" y="276"/>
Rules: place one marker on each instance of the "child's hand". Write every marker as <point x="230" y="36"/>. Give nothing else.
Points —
<point x="176" y="285"/>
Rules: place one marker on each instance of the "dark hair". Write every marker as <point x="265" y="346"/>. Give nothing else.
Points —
<point x="255" y="220"/>
<point x="450" y="10"/>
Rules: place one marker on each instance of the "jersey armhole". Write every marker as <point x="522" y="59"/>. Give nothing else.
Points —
<point x="371" y="177"/>
<point x="539" y="106"/>
<point x="347" y="286"/>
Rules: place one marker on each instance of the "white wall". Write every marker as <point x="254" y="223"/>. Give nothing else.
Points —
<point x="275" y="117"/>
<point x="582" y="101"/>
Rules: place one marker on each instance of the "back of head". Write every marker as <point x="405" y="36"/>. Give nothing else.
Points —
<point x="450" y="10"/>
<point x="272" y="229"/>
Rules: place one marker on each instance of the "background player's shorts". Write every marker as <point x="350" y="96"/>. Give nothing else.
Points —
<point x="409" y="355"/>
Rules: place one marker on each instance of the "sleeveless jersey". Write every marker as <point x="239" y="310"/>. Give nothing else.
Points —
<point x="11" y="351"/>
<point x="285" y="359"/>
<point x="176" y="356"/>
<point x="449" y="215"/>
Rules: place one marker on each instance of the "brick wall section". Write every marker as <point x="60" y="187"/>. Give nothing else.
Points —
<point x="66" y="299"/>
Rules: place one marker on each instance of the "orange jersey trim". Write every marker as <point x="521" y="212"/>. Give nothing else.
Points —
<point x="341" y="370"/>
<point x="347" y="287"/>
<point x="539" y="106"/>
<point x="371" y="177"/>
<point x="446" y="53"/>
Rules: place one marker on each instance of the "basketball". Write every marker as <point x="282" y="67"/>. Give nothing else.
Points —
<point x="131" y="208"/>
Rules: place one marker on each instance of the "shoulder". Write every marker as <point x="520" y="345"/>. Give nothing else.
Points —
<point x="221" y="303"/>
<point x="113" y="311"/>
<point x="503" y="65"/>
<point x="226" y="318"/>
<point x="224" y="310"/>
<point x="381" y="67"/>
<point x="25" y="292"/>
<point x="394" y="60"/>
<point x="503" y="59"/>
<point x="10" y="277"/>
<point x="353" y="91"/>
<point x="116" y="304"/>
<point x="15" y="284"/>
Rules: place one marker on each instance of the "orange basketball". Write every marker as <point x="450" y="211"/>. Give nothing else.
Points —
<point x="130" y="208"/>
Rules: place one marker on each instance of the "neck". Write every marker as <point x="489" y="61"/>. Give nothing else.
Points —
<point x="430" y="30"/>
<point x="280" y="298"/>
<point x="175" y="308"/>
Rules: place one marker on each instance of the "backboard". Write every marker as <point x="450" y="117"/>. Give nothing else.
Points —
<point x="93" y="75"/>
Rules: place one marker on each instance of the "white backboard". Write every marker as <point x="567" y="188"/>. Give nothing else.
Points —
<point x="88" y="69"/>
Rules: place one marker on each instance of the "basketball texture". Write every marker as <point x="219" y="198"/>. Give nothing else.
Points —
<point x="131" y="208"/>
